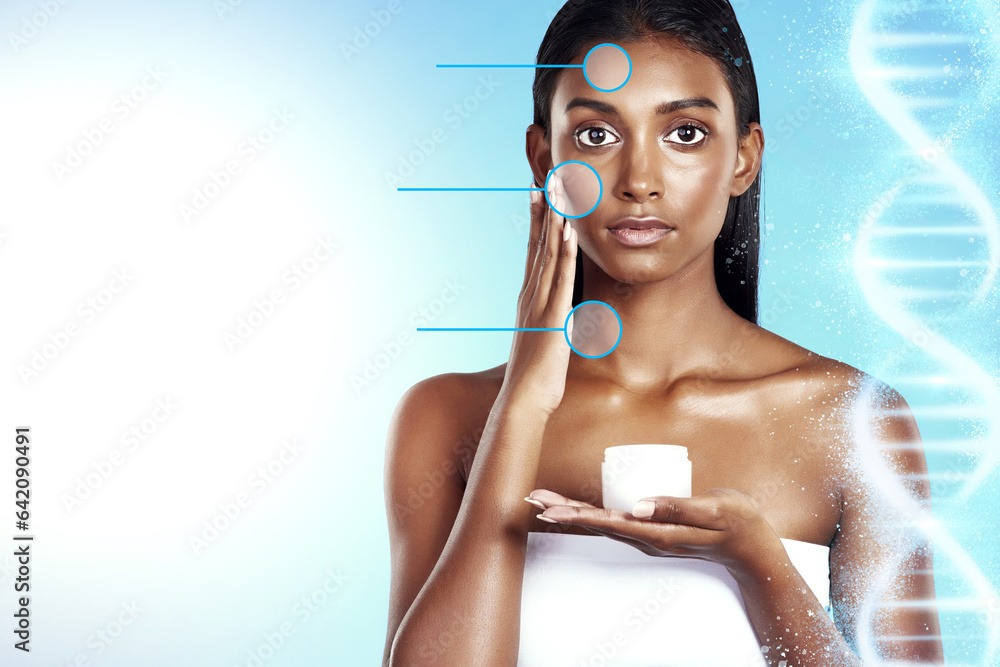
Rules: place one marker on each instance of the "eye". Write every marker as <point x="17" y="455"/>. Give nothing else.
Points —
<point x="596" y="136"/>
<point x="686" y="134"/>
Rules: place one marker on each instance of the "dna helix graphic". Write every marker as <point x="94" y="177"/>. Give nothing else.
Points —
<point x="926" y="259"/>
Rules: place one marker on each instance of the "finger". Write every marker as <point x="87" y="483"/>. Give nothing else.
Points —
<point x="550" y="498"/>
<point x="699" y="511"/>
<point x="538" y="256"/>
<point x="537" y="212"/>
<point x="650" y="537"/>
<point x="553" y="241"/>
<point x="632" y="542"/>
<point x="566" y="299"/>
<point x="682" y="549"/>
<point x="603" y="522"/>
<point x="562" y="297"/>
<point x="565" y="273"/>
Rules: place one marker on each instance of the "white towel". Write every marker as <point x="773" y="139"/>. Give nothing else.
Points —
<point x="590" y="601"/>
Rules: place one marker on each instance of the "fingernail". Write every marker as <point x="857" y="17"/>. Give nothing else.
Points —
<point x="537" y="503"/>
<point x="536" y="195"/>
<point x="545" y="518"/>
<point x="566" y="228"/>
<point x="643" y="509"/>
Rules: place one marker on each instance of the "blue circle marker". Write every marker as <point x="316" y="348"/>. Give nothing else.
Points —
<point x="583" y="354"/>
<point x="600" y="189"/>
<point x="564" y="328"/>
<point x="596" y="87"/>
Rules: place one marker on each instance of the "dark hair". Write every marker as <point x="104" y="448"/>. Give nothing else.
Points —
<point x="708" y="27"/>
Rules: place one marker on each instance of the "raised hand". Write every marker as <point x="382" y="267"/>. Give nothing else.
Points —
<point x="536" y="370"/>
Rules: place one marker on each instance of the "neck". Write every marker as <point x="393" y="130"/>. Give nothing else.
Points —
<point x="676" y="327"/>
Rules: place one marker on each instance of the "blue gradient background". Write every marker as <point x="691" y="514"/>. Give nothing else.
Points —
<point x="357" y="115"/>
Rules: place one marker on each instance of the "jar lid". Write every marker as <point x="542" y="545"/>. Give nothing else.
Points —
<point x="646" y="451"/>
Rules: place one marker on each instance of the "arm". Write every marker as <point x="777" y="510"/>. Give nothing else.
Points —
<point x="881" y="572"/>
<point x="457" y="560"/>
<point x="458" y="567"/>
<point x="791" y="625"/>
<point x="881" y="577"/>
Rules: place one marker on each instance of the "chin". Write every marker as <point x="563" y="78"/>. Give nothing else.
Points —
<point x="633" y="270"/>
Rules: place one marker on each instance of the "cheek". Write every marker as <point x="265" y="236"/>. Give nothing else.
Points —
<point x="581" y="188"/>
<point x="701" y="188"/>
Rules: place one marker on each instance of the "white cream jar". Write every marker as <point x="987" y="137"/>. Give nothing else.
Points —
<point x="630" y="473"/>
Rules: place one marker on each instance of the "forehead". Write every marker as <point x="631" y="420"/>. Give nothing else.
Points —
<point x="663" y="69"/>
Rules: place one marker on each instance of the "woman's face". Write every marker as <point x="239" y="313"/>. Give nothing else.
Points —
<point x="666" y="148"/>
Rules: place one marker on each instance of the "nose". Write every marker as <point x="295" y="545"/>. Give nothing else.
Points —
<point x="640" y="177"/>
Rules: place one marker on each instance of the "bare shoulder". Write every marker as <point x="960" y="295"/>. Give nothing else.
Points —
<point x="854" y="413"/>
<point x="440" y="419"/>
<point x="864" y="401"/>
<point x="455" y="393"/>
<point x="799" y="370"/>
<point x="460" y="394"/>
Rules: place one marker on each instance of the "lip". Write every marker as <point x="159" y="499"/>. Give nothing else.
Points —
<point x="638" y="232"/>
<point x="639" y="223"/>
<point x="639" y="237"/>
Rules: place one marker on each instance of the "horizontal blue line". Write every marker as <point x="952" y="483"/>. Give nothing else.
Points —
<point x="482" y="329"/>
<point x="470" y="189"/>
<point x="542" y="66"/>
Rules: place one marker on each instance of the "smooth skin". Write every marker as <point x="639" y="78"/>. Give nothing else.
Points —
<point x="774" y="432"/>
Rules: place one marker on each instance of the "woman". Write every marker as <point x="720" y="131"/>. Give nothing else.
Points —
<point x="775" y="432"/>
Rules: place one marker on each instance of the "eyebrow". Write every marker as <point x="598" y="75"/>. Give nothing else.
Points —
<point x="663" y="108"/>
